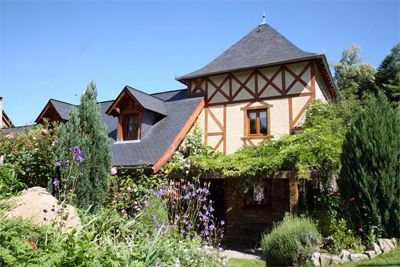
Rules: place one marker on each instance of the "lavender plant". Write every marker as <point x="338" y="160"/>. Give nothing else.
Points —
<point x="190" y="212"/>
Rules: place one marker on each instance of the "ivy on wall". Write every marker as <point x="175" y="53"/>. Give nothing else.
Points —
<point x="317" y="147"/>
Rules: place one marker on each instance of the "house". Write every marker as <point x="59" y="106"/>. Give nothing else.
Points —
<point x="257" y="89"/>
<point x="5" y="120"/>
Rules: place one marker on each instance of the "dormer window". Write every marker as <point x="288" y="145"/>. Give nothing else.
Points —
<point x="129" y="107"/>
<point x="131" y="126"/>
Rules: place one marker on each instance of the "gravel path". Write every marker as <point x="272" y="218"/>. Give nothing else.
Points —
<point x="248" y="255"/>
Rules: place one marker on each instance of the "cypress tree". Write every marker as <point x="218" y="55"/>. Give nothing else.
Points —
<point x="86" y="130"/>
<point x="369" y="180"/>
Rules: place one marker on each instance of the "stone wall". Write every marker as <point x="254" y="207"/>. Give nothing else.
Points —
<point x="372" y="250"/>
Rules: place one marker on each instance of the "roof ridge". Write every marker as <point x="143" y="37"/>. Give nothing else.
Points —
<point x="169" y="91"/>
<point x="144" y="92"/>
<point x="53" y="99"/>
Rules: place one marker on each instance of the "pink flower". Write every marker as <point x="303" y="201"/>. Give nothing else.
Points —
<point x="113" y="171"/>
<point x="352" y="199"/>
<point x="360" y="230"/>
<point x="45" y="132"/>
<point x="10" y="136"/>
<point x="123" y="212"/>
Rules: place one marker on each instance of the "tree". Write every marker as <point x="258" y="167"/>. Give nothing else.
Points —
<point x="353" y="77"/>
<point x="369" y="179"/>
<point x="388" y="75"/>
<point x="85" y="136"/>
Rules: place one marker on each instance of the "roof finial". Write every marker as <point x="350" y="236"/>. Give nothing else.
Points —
<point x="263" y="20"/>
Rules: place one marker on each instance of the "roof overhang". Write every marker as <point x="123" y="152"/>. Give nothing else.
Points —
<point x="6" y="120"/>
<point x="46" y="108"/>
<point x="113" y="110"/>
<point x="184" y="79"/>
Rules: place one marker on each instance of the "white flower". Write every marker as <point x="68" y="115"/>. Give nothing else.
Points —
<point x="113" y="171"/>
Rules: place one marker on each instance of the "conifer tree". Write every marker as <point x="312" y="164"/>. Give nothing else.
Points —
<point x="86" y="130"/>
<point x="369" y="180"/>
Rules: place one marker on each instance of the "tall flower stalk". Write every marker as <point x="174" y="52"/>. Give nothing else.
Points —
<point x="69" y="175"/>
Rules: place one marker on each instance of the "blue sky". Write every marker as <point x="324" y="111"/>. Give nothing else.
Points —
<point x="52" y="49"/>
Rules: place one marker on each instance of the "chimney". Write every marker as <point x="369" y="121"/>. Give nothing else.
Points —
<point x="1" y="112"/>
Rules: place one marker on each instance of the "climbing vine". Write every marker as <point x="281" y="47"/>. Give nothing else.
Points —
<point x="316" y="148"/>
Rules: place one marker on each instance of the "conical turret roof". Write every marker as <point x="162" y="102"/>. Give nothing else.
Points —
<point x="262" y="46"/>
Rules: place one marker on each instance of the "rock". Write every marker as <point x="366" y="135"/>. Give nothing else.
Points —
<point x="325" y="259"/>
<point x="315" y="259"/>
<point x="41" y="207"/>
<point x="394" y="242"/>
<point x="389" y="243"/>
<point x="374" y="246"/>
<point x="358" y="257"/>
<point x="33" y="189"/>
<point x="370" y="253"/>
<point x="335" y="260"/>
<point x="345" y="256"/>
<point x="385" y="245"/>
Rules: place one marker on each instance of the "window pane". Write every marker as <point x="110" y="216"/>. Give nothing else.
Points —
<point x="263" y="122"/>
<point x="136" y="127"/>
<point x="129" y="128"/>
<point x="253" y="122"/>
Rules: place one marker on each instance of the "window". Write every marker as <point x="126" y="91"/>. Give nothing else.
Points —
<point x="257" y="122"/>
<point x="131" y="127"/>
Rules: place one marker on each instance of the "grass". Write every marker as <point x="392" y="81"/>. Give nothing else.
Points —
<point x="389" y="259"/>
<point x="245" y="263"/>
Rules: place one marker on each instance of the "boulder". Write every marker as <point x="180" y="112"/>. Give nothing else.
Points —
<point x="375" y="247"/>
<point x="394" y="242"/>
<point x="358" y="257"/>
<point x="370" y="253"/>
<point x="385" y="244"/>
<point x="315" y="259"/>
<point x="42" y="208"/>
<point x="335" y="260"/>
<point x="345" y="256"/>
<point x="325" y="259"/>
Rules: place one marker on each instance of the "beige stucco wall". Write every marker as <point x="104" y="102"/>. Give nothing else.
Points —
<point x="279" y="112"/>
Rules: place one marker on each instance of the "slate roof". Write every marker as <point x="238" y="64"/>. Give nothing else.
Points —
<point x="176" y="104"/>
<point x="147" y="101"/>
<point x="152" y="146"/>
<point x="62" y="108"/>
<point x="16" y="130"/>
<point x="262" y="46"/>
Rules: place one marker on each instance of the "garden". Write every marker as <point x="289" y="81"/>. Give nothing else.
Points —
<point x="347" y="152"/>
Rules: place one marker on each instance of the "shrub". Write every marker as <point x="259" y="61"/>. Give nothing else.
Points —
<point x="343" y="237"/>
<point x="9" y="183"/>
<point x="291" y="242"/>
<point x="31" y="154"/>
<point x="369" y="180"/>
<point x="106" y="239"/>
<point x="128" y="188"/>
<point x="86" y="130"/>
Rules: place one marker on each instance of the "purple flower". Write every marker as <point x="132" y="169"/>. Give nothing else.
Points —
<point x="154" y="218"/>
<point x="157" y="265"/>
<point x="222" y="222"/>
<point x="77" y="153"/>
<point x="78" y="158"/>
<point x="56" y="183"/>
<point x="58" y="164"/>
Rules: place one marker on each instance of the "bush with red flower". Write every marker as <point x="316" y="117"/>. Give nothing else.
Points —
<point x="30" y="153"/>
